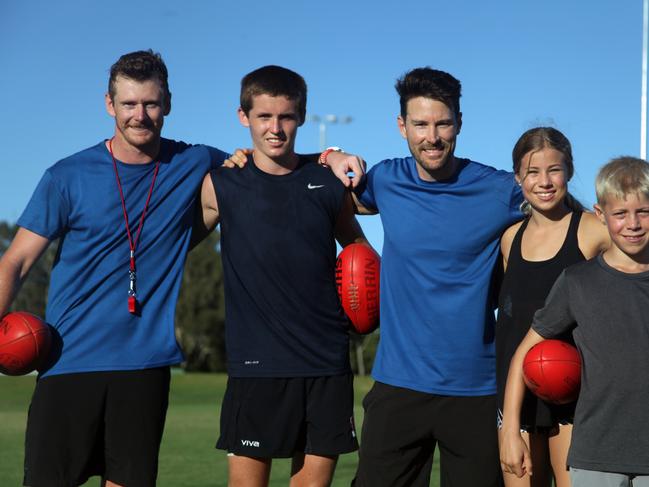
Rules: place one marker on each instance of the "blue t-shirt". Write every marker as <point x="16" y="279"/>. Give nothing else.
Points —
<point x="440" y="247"/>
<point x="77" y="200"/>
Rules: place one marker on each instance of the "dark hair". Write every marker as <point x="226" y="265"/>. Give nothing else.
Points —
<point x="539" y="138"/>
<point x="273" y="81"/>
<point x="140" y="66"/>
<point x="429" y="83"/>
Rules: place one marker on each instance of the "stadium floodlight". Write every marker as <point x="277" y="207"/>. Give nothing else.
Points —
<point x="325" y="120"/>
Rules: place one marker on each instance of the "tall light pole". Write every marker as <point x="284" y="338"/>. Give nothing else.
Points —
<point x="325" y="120"/>
<point x="643" y="97"/>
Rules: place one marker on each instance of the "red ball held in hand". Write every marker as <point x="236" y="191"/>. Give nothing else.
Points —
<point x="24" y="343"/>
<point x="552" y="371"/>
<point x="357" y="280"/>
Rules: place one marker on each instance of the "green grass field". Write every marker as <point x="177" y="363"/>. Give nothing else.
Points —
<point x="187" y="456"/>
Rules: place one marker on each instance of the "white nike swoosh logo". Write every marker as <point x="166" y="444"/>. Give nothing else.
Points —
<point x="313" y="186"/>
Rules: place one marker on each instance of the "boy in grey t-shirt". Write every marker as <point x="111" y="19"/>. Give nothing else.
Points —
<point x="604" y="301"/>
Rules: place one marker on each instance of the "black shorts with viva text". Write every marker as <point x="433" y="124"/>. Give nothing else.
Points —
<point x="278" y="417"/>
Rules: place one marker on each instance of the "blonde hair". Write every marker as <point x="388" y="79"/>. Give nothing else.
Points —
<point x="622" y="176"/>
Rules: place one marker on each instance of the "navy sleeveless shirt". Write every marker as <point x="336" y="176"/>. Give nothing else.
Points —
<point x="283" y="317"/>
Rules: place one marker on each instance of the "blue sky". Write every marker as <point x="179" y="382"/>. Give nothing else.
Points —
<point x="574" y="65"/>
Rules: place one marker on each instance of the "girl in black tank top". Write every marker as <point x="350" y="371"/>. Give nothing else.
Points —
<point x="524" y="289"/>
<point x="542" y="166"/>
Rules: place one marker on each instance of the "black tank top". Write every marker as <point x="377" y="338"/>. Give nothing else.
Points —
<point x="282" y="313"/>
<point x="524" y="288"/>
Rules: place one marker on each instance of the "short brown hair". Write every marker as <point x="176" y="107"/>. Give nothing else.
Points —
<point x="274" y="81"/>
<point x="140" y="66"/>
<point x="429" y="83"/>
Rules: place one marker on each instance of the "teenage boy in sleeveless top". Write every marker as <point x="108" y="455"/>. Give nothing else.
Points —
<point x="289" y="390"/>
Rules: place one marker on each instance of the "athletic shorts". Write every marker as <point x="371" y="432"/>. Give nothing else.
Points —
<point x="278" y="417"/>
<point x="593" y="478"/>
<point x="96" y="423"/>
<point x="539" y="430"/>
<point x="402" y="427"/>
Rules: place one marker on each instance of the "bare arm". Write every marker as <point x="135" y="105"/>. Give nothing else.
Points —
<point x="24" y="251"/>
<point x="506" y="242"/>
<point x="360" y="209"/>
<point x="207" y="214"/>
<point x="514" y="455"/>
<point x="347" y="229"/>
<point x="592" y="235"/>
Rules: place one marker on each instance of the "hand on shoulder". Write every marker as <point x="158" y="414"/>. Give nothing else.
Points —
<point x="343" y="164"/>
<point x="238" y="159"/>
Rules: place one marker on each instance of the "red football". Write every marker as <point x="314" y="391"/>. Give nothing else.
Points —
<point x="357" y="279"/>
<point x="552" y="371"/>
<point x="24" y="343"/>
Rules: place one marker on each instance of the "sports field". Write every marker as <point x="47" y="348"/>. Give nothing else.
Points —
<point x="187" y="457"/>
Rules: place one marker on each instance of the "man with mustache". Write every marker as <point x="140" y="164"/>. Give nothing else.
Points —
<point x="435" y="367"/>
<point x="123" y="213"/>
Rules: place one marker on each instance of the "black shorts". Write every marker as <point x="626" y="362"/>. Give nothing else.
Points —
<point x="402" y="427"/>
<point x="278" y="417"/>
<point x="96" y="423"/>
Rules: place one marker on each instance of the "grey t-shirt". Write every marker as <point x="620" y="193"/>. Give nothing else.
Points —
<point x="608" y="311"/>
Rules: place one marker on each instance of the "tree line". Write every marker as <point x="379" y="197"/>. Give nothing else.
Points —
<point x="200" y="313"/>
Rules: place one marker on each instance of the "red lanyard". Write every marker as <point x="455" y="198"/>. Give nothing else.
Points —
<point x="132" y="298"/>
